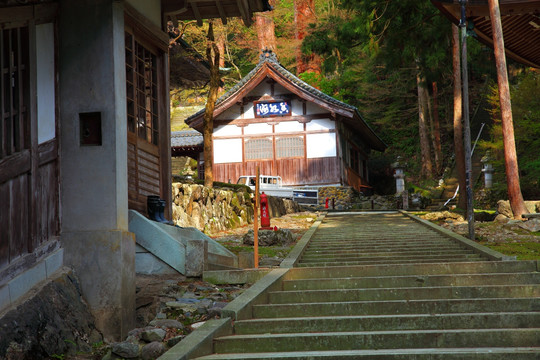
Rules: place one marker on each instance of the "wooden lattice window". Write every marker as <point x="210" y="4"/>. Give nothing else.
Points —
<point x="141" y="90"/>
<point x="290" y="146"/>
<point x="14" y="90"/>
<point x="259" y="148"/>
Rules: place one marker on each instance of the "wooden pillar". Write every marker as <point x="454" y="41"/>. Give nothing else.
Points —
<point x="510" y="157"/>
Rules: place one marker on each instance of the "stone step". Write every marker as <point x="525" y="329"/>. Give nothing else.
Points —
<point x="315" y="254"/>
<point x="493" y="353"/>
<point x="482" y="267"/>
<point x="358" y="340"/>
<point x="390" y="307"/>
<point x="376" y="245"/>
<point x="381" y="262"/>
<point x="413" y="281"/>
<point x="381" y="239"/>
<point x="389" y="322"/>
<point x="378" y="257"/>
<point x="416" y="293"/>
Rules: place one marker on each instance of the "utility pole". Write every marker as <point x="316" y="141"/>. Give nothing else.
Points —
<point x="466" y="122"/>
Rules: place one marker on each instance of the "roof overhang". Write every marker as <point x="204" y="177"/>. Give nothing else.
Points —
<point x="267" y="71"/>
<point x="213" y="9"/>
<point x="520" y="22"/>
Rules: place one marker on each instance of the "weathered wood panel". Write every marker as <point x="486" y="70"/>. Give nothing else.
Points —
<point x="14" y="165"/>
<point x="18" y="235"/>
<point x="5" y="223"/>
<point x="265" y="167"/>
<point x="148" y="173"/>
<point x="143" y="174"/>
<point x="323" y="170"/>
<point x="292" y="171"/>
<point x="48" y="224"/>
<point x="224" y="172"/>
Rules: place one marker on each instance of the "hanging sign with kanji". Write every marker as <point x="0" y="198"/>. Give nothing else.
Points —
<point x="272" y="108"/>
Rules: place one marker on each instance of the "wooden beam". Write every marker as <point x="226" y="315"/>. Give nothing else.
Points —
<point x="481" y="9"/>
<point x="142" y="25"/>
<point x="265" y="135"/>
<point x="277" y="119"/>
<point x="221" y="12"/>
<point x="196" y="13"/>
<point x="32" y="114"/>
<point x="14" y="165"/>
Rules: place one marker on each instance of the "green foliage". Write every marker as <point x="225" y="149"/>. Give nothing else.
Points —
<point x="526" y="116"/>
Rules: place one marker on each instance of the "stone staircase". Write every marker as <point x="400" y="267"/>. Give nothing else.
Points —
<point x="380" y="239"/>
<point x="386" y="287"/>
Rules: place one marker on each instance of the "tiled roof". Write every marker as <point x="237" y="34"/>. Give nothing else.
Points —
<point x="186" y="138"/>
<point x="267" y="56"/>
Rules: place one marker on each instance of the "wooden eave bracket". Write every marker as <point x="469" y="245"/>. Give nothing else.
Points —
<point x="221" y="12"/>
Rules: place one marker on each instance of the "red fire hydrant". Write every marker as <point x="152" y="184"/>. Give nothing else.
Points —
<point x="265" y="215"/>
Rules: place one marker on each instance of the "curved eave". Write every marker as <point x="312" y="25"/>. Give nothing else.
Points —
<point x="519" y="19"/>
<point x="301" y="90"/>
<point x="266" y="70"/>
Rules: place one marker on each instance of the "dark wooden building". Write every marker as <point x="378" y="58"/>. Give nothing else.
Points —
<point x="84" y="137"/>
<point x="274" y="120"/>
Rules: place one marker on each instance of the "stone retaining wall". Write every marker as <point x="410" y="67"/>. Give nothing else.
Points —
<point x="213" y="210"/>
<point x="346" y="197"/>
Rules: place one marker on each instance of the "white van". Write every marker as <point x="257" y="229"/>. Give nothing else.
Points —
<point x="271" y="185"/>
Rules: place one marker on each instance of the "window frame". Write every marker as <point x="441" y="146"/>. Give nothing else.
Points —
<point x="15" y="89"/>
<point x="142" y="89"/>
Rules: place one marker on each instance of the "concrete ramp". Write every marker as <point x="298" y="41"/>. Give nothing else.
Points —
<point x="164" y="249"/>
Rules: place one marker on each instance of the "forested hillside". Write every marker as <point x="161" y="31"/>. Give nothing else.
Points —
<point x="392" y="60"/>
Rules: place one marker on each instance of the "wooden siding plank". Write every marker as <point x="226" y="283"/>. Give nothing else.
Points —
<point x="227" y="171"/>
<point x="14" y="166"/>
<point x="5" y="223"/>
<point x="18" y="217"/>
<point x="32" y="118"/>
<point x="3" y="150"/>
<point x="52" y="211"/>
<point x="48" y="151"/>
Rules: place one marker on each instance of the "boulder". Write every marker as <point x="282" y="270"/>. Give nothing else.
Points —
<point x="151" y="335"/>
<point x="280" y="237"/>
<point x="152" y="350"/>
<point x="126" y="349"/>
<point x="532" y="225"/>
<point x="503" y="207"/>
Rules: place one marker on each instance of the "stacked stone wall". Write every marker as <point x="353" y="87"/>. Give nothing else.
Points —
<point x="212" y="209"/>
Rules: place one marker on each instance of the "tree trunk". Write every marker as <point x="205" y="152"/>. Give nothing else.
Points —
<point x="212" y="56"/>
<point x="510" y="157"/>
<point x="265" y="29"/>
<point x="458" y="118"/>
<point x="437" y="130"/>
<point x="221" y="43"/>
<point x="429" y="116"/>
<point x="304" y="15"/>
<point x="427" y="166"/>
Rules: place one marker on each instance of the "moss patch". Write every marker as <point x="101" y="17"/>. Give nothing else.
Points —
<point x="523" y="250"/>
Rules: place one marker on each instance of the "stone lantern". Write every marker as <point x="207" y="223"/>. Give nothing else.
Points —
<point x="399" y="174"/>
<point x="487" y="169"/>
